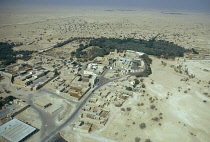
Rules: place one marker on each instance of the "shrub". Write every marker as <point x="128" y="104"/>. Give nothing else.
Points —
<point x="152" y="106"/>
<point x="205" y="93"/>
<point x="122" y="109"/>
<point x="194" y="51"/>
<point x="148" y="140"/>
<point x="128" y="109"/>
<point x="137" y="139"/>
<point x="142" y="125"/>
<point x="137" y="81"/>
<point x="155" y="119"/>
<point x="129" y="88"/>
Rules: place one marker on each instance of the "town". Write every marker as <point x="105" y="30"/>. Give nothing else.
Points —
<point x="66" y="90"/>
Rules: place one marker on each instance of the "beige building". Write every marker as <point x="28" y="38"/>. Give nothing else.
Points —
<point x="82" y="127"/>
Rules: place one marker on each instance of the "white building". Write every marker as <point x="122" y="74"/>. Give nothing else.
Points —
<point x="86" y="72"/>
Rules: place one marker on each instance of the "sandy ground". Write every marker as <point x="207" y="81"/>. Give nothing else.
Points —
<point x="43" y="28"/>
<point x="30" y="116"/>
<point x="4" y="86"/>
<point x="63" y="51"/>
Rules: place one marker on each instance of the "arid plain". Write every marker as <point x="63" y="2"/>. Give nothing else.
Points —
<point x="181" y="112"/>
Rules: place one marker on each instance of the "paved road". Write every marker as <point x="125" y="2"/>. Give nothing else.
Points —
<point x="47" y="124"/>
<point x="51" y="136"/>
<point x="69" y="119"/>
<point x="4" y="112"/>
<point x="102" y="78"/>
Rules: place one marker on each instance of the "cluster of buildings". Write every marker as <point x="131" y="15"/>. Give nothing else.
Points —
<point x="14" y="70"/>
<point x="32" y="75"/>
<point x="75" y="89"/>
<point x="37" y="72"/>
<point x="20" y="106"/>
<point x="46" y="62"/>
<point x="130" y="62"/>
<point x="69" y="78"/>
<point x="93" y="69"/>
<point x="41" y="70"/>
<point x="95" y="113"/>
<point x="32" y="78"/>
<point x="123" y="63"/>
<point x="127" y="61"/>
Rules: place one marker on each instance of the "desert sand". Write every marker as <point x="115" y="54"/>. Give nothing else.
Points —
<point x="41" y="28"/>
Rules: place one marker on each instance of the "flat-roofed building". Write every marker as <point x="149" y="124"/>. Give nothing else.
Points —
<point x="42" y="102"/>
<point x="38" y="74"/>
<point x="83" y="127"/>
<point x="16" y="131"/>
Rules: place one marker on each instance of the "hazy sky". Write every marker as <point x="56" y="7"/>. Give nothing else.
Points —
<point x="154" y="4"/>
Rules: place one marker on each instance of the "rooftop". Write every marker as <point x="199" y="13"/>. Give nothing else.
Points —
<point x="16" y="130"/>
